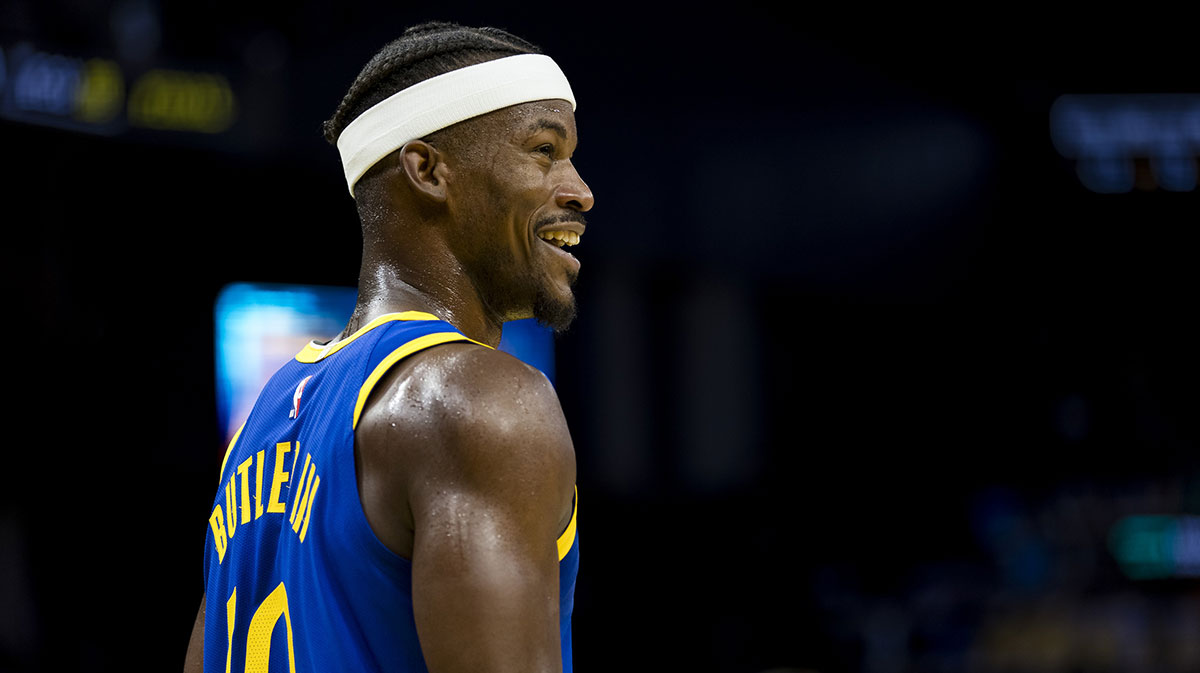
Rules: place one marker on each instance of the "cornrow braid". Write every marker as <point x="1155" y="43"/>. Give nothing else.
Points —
<point x="423" y="51"/>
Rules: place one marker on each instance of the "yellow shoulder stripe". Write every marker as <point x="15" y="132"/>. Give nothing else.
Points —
<point x="567" y="539"/>
<point x="313" y="353"/>
<point x="395" y="356"/>
<point x="229" y="450"/>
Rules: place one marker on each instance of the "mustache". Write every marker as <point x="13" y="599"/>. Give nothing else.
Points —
<point x="570" y="216"/>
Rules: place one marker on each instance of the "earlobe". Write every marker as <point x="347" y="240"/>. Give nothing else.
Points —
<point x="425" y="169"/>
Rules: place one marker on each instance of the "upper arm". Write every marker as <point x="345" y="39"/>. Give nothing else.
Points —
<point x="489" y="488"/>
<point x="194" y="661"/>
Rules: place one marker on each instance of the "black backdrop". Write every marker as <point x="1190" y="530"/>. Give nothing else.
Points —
<point x="862" y="379"/>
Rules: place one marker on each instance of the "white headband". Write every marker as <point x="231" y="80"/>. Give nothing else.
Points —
<point x="447" y="99"/>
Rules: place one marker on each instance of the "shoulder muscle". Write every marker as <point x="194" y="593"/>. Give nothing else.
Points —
<point x="463" y="421"/>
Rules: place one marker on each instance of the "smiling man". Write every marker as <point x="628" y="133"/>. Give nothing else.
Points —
<point x="402" y="496"/>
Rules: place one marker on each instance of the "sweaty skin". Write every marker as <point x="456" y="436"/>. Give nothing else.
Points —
<point x="464" y="462"/>
<point x="468" y="469"/>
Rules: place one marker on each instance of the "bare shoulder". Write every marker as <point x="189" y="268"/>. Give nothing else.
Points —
<point x="472" y="398"/>
<point x="466" y="423"/>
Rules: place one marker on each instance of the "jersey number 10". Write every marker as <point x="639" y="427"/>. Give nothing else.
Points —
<point x="262" y="624"/>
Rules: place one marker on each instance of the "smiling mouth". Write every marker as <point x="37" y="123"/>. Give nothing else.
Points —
<point x="560" y="238"/>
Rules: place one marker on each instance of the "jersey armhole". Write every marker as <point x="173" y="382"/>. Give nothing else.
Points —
<point x="567" y="539"/>
<point x="418" y="344"/>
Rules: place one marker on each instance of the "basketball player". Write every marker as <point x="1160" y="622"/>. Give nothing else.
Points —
<point x="402" y="497"/>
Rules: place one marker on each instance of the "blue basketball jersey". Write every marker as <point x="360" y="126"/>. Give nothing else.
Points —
<point x="295" y="579"/>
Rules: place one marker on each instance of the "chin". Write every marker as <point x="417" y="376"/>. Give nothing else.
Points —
<point x="556" y="310"/>
<point x="555" y="314"/>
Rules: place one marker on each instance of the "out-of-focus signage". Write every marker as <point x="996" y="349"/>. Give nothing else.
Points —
<point x="1157" y="546"/>
<point x="1109" y="136"/>
<point x="94" y="95"/>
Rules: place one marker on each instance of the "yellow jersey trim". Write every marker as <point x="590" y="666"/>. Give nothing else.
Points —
<point x="314" y="353"/>
<point x="229" y="451"/>
<point x="567" y="539"/>
<point x="395" y="356"/>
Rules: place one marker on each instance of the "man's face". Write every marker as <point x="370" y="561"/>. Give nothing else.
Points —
<point x="520" y="203"/>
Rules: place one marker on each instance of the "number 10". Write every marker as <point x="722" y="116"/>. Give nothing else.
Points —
<point x="262" y="624"/>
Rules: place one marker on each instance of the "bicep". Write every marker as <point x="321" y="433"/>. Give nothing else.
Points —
<point x="485" y="589"/>
<point x="488" y="506"/>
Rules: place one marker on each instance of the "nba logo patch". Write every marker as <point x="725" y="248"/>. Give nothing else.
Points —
<point x="296" y="398"/>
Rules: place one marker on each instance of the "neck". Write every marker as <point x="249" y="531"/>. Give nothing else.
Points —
<point x="394" y="287"/>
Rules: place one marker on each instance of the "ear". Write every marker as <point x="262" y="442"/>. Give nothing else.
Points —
<point x="425" y="167"/>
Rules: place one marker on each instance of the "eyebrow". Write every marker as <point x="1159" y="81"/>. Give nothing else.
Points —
<point x="555" y="126"/>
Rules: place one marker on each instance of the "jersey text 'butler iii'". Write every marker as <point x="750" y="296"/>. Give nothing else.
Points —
<point x="402" y="497"/>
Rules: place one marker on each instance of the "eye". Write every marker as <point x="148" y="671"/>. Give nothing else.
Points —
<point x="546" y="149"/>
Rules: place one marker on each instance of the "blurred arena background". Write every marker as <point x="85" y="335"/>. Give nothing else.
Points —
<point x="886" y="358"/>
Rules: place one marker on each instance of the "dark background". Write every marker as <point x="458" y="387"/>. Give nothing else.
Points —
<point x="862" y="379"/>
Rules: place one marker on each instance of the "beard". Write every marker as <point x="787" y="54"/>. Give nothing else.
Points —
<point x="555" y="312"/>
<point x="513" y="297"/>
<point x="550" y="310"/>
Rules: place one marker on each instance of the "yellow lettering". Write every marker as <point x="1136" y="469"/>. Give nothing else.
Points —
<point x="231" y="506"/>
<point x="304" y="500"/>
<point x="274" y="505"/>
<point x="217" y="523"/>
<point x="244" y="470"/>
<point x="300" y="491"/>
<point x="312" y="495"/>
<point x="258" y="469"/>
<point x="230" y="614"/>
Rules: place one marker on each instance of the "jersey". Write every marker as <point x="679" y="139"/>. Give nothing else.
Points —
<point x="295" y="579"/>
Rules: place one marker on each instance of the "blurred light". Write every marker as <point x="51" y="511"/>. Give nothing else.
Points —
<point x="1175" y="174"/>
<point x="101" y="91"/>
<point x="1105" y="133"/>
<point x="182" y="101"/>
<point x="259" y="328"/>
<point x="1157" y="546"/>
<point x="46" y="83"/>
<point x="1106" y="175"/>
<point x="89" y="95"/>
<point x="1005" y="528"/>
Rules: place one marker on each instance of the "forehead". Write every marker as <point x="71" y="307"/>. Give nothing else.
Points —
<point x="528" y="118"/>
<point x="479" y="139"/>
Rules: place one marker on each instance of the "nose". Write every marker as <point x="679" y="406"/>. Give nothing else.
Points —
<point x="574" y="193"/>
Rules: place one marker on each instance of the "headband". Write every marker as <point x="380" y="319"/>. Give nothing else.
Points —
<point x="447" y="99"/>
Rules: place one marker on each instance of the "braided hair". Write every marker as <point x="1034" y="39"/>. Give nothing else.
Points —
<point x="421" y="52"/>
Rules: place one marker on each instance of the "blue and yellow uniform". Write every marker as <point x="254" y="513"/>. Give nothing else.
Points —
<point x="295" y="578"/>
